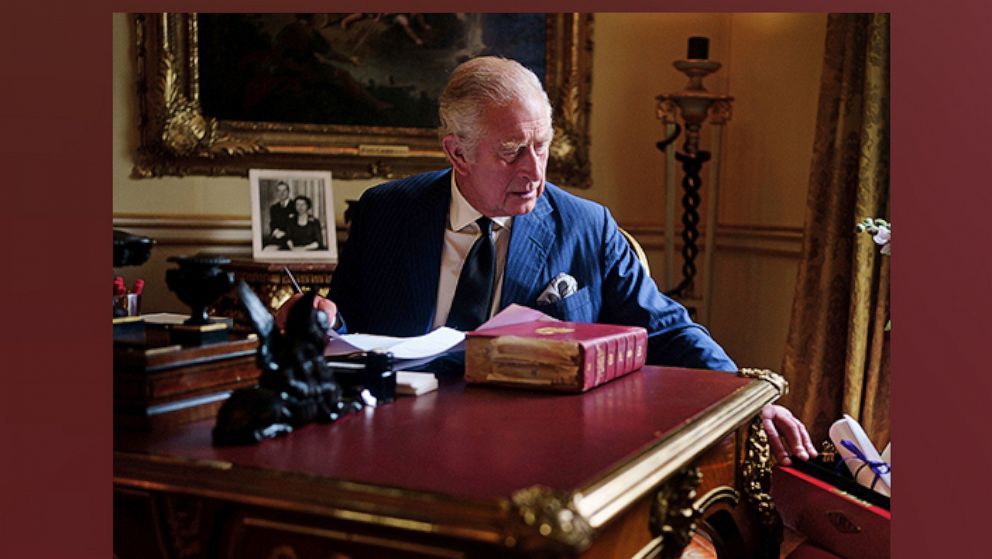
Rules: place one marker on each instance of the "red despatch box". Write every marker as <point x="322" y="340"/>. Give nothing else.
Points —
<point x="809" y="551"/>
<point x="829" y="517"/>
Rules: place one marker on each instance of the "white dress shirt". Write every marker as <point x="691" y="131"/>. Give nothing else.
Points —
<point x="460" y="234"/>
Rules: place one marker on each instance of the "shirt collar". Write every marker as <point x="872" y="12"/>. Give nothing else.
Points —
<point x="461" y="213"/>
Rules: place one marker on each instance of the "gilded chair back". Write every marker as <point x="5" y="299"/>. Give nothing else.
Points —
<point x="636" y="246"/>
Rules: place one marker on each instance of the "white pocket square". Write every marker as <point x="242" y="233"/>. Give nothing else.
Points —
<point x="562" y="286"/>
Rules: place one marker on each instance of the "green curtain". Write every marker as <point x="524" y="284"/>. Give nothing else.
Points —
<point x="836" y="357"/>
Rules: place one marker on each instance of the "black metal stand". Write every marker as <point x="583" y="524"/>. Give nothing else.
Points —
<point x="692" y="164"/>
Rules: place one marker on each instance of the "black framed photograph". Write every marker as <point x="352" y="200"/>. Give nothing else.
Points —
<point x="354" y="93"/>
<point x="292" y="216"/>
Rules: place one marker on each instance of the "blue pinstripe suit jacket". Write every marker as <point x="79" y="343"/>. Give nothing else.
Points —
<point x="387" y="278"/>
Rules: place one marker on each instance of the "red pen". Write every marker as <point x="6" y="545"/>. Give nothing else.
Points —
<point x="119" y="288"/>
<point x="139" y="286"/>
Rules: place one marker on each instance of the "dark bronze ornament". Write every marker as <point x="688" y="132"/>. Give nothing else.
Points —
<point x="296" y="386"/>
<point x="673" y="516"/>
<point x="198" y="282"/>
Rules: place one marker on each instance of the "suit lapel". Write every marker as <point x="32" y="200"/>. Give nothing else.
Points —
<point x="530" y="240"/>
<point x="424" y="243"/>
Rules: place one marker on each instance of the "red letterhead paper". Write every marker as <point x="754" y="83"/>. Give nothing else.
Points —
<point x="565" y="356"/>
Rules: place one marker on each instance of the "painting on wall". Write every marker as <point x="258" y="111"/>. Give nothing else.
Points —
<point x="353" y="93"/>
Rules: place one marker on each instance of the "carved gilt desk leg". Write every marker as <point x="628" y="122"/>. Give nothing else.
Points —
<point x="757" y="472"/>
<point x="673" y="516"/>
<point x="549" y="516"/>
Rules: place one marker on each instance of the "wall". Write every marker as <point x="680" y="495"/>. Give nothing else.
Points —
<point x="770" y="65"/>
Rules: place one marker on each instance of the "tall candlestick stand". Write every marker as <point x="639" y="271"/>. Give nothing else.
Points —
<point x="693" y="105"/>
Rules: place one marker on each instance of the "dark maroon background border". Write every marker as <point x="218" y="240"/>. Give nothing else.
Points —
<point x="55" y="493"/>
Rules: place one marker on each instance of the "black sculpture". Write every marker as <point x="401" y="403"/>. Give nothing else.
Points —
<point x="295" y="387"/>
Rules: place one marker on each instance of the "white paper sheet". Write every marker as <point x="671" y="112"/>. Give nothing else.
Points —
<point x="418" y="347"/>
<point x="849" y="429"/>
<point x="423" y="348"/>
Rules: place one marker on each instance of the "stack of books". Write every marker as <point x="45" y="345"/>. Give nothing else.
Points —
<point x="165" y="385"/>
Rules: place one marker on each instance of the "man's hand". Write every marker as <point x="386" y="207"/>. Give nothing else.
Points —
<point x="319" y="302"/>
<point x="786" y="435"/>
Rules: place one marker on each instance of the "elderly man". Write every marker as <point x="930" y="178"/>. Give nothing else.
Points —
<point x="453" y="247"/>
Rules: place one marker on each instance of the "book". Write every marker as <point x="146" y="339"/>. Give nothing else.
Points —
<point x="563" y="356"/>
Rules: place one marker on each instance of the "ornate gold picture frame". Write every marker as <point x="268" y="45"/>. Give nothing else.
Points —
<point x="176" y="136"/>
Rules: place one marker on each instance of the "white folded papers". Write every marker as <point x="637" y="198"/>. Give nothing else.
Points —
<point x="847" y="429"/>
<point x="418" y="347"/>
<point x="410" y="383"/>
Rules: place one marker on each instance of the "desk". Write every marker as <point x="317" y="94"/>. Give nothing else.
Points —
<point x="628" y="469"/>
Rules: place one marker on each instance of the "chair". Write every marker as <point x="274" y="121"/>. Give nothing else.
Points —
<point x="636" y="246"/>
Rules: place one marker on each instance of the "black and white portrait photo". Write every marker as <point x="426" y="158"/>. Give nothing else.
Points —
<point x="292" y="215"/>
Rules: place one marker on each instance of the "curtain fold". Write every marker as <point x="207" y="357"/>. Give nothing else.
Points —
<point x="836" y="356"/>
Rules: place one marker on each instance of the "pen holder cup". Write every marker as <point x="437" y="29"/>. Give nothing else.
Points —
<point x="129" y="303"/>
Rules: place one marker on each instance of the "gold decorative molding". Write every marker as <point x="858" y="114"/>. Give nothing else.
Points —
<point x="600" y="501"/>
<point x="757" y="472"/>
<point x="668" y="111"/>
<point x="569" y="82"/>
<point x="723" y="493"/>
<point x="552" y="515"/>
<point x="673" y="514"/>
<point x="720" y="112"/>
<point x="775" y="379"/>
<point x="303" y="494"/>
<point x="177" y="138"/>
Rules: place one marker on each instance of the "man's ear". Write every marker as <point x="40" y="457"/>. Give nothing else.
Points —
<point x="453" y="148"/>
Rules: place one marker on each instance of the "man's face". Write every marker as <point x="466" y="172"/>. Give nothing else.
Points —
<point x="505" y="175"/>
<point x="282" y="191"/>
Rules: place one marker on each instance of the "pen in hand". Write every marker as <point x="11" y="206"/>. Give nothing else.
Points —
<point x="296" y="286"/>
<point x="334" y="318"/>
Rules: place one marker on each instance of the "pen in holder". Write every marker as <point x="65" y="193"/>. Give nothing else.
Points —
<point x="128" y="304"/>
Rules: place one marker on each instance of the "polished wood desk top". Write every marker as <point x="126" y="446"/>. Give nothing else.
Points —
<point x="476" y="441"/>
<point x="463" y="460"/>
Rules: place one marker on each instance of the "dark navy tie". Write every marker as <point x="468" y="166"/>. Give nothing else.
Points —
<point x="474" y="294"/>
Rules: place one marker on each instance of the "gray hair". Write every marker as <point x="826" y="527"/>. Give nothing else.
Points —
<point x="480" y="83"/>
